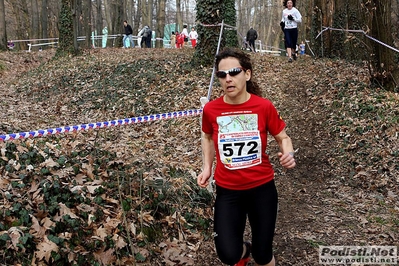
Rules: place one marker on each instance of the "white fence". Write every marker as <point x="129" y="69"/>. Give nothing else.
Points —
<point x="261" y="48"/>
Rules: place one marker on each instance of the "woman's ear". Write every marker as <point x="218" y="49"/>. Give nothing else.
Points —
<point x="248" y="74"/>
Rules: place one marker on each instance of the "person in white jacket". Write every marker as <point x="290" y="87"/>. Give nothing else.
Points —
<point x="185" y="33"/>
<point x="289" y="20"/>
<point x="193" y="35"/>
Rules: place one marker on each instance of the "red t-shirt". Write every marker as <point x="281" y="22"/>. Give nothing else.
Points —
<point x="239" y="134"/>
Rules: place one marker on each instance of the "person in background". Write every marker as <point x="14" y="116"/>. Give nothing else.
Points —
<point x="290" y="17"/>
<point x="148" y="38"/>
<point x="302" y="48"/>
<point x="140" y="39"/>
<point x="104" y="37"/>
<point x="235" y="128"/>
<point x="193" y="35"/>
<point x="252" y="35"/>
<point x="244" y="45"/>
<point x="173" y="40"/>
<point x="145" y="34"/>
<point x="10" y="44"/>
<point x="128" y="35"/>
<point x="185" y="35"/>
<point x="179" y="40"/>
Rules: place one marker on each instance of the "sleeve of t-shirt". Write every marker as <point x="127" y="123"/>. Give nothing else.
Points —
<point x="275" y="123"/>
<point x="206" y="124"/>
<point x="298" y="17"/>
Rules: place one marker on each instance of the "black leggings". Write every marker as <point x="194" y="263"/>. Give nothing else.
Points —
<point x="231" y="210"/>
<point x="291" y="38"/>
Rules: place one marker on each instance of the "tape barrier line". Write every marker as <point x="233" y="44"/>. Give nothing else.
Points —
<point x="217" y="25"/>
<point x="111" y="123"/>
<point x="359" y="31"/>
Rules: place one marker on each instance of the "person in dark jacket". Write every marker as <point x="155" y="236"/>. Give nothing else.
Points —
<point x="128" y="34"/>
<point x="146" y="35"/>
<point x="252" y="35"/>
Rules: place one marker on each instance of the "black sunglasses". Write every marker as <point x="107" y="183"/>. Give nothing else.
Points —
<point x="232" y="72"/>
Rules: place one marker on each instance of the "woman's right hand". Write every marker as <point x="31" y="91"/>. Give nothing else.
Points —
<point x="203" y="179"/>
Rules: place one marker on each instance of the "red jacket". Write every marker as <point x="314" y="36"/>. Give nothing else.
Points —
<point x="179" y="38"/>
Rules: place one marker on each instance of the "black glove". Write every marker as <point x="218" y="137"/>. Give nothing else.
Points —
<point x="290" y="17"/>
<point x="282" y="25"/>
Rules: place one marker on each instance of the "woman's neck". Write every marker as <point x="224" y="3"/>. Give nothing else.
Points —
<point x="237" y="100"/>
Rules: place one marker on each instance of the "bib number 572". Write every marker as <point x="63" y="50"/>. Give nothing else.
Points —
<point x="250" y="147"/>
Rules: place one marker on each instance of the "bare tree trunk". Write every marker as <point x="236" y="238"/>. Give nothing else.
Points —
<point x="130" y="13"/>
<point x="317" y="23"/>
<point x="395" y="21"/>
<point x="150" y="7"/>
<point x="108" y="17"/>
<point x="137" y="17"/>
<point x="267" y="23"/>
<point x="240" y="17"/>
<point x="305" y="7"/>
<point x="75" y="16"/>
<point x="179" y="17"/>
<point x="254" y="22"/>
<point x="99" y="21"/>
<point x="187" y="19"/>
<point x="327" y="11"/>
<point x="116" y="11"/>
<point x="386" y="71"/>
<point x="54" y="19"/>
<point x="116" y="23"/>
<point x="127" y="12"/>
<point x="22" y="19"/>
<point x="3" y="32"/>
<point x="160" y="22"/>
<point x="146" y="12"/>
<point x="79" y="16"/>
<point x="44" y="19"/>
<point x="87" y="23"/>
<point x="249" y="17"/>
<point x="35" y="30"/>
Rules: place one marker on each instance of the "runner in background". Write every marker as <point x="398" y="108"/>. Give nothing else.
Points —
<point x="185" y="34"/>
<point x="193" y="35"/>
<point x="291" y="18"/>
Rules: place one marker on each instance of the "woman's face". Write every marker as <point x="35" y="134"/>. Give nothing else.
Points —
<point x="234" y="87"/>
<point x="289" y="4"/>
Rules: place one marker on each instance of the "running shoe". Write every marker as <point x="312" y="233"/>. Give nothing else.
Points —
<point x="244" y="261"/>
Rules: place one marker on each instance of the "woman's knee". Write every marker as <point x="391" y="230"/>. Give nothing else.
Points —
<point x="228" y="257"/>
<point x="229" y="254"/>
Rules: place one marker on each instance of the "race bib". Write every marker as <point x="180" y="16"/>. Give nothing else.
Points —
<point x="239" y="141"/>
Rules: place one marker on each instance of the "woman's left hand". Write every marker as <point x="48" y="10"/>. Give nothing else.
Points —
<point x="287" y="160"/>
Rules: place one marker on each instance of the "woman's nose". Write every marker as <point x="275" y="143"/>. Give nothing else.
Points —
<point x="228" y="77"/>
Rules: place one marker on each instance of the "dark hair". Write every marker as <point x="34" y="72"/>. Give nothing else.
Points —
<point x="245" y="61"/>
<point x="125" y="21"/>
<point x="285" y="3"/>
